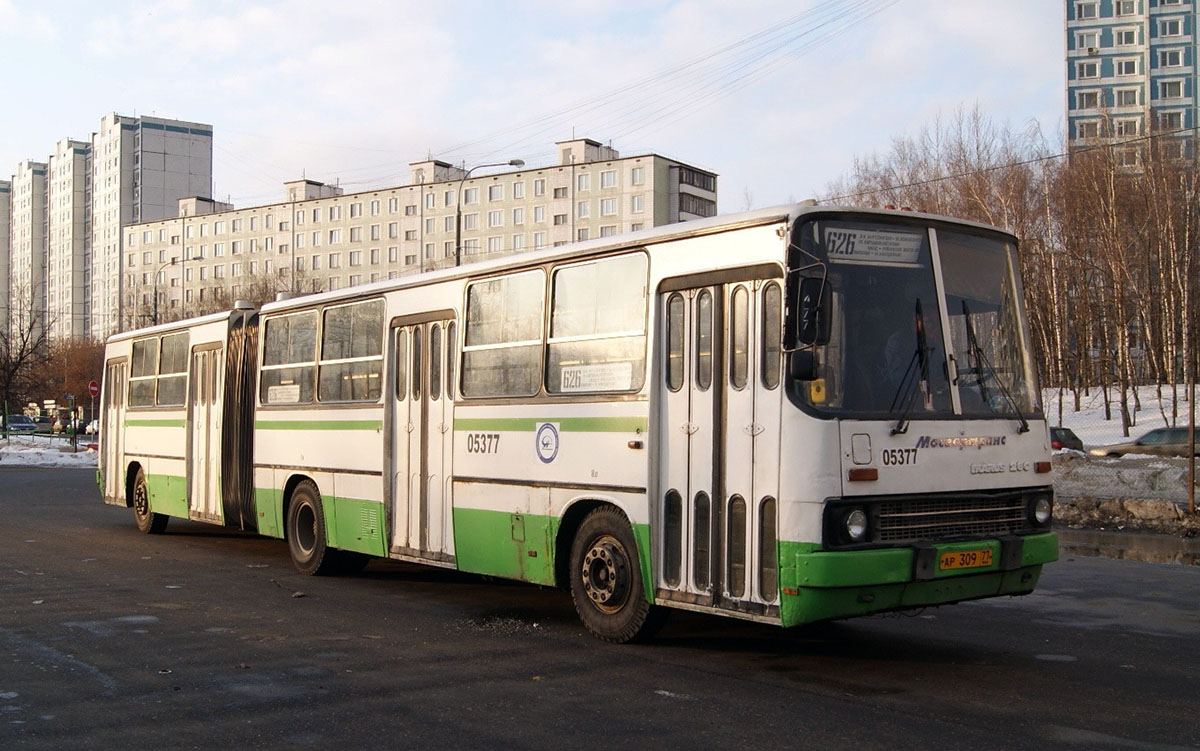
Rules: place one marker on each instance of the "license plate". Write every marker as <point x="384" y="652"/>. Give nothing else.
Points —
<point x="965" y="559"/>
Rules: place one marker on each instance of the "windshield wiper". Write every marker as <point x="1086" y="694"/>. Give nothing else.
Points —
<point x="983" y="369"/>
<point x="916" y="378"/>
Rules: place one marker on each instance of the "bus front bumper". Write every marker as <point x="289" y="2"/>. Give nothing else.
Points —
<point x="817" y="585"/>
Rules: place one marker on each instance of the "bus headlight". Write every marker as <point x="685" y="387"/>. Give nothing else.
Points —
<point x="856" y="525"/>
<point x="1042" y="510"/>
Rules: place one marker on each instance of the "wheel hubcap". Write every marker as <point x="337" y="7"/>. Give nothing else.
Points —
<point x="606" y="577"/>
<point x="141" y="500"/>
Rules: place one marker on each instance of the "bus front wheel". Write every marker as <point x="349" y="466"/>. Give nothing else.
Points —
<point x="148" y="522"/>
<point x="606" y="581"/>
<point x="306" y="532"/>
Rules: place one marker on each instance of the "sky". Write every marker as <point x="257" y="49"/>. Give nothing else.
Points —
<point x="776" y="96"/>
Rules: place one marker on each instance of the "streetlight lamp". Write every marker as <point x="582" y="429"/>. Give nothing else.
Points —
<point x="458" y="203"/>
<point x="157" y="274"/>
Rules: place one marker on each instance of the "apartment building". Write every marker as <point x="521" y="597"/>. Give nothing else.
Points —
<point x="5" y="237"/>
<point x="1131" y="72"/>
<point x="67" y="227"/>
<point x="320" y="238"/>
<point x="141" y="167"/>
<point x="27" y="243"/>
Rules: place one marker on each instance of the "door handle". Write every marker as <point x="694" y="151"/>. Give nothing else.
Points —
<point x="689" y="428"/>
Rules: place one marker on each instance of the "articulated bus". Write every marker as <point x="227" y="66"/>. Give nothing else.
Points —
<point x="788" y="415"/>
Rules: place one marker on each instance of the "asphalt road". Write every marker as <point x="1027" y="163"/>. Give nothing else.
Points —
<point x="205" y="638"/>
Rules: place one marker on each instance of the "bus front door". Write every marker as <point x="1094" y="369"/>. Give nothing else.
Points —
<point x="719" y="455"/>
<point x="422" y="416"/>
<point x="204" y="436"/>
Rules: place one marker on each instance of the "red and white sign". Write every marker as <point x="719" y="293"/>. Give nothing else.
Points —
<point x="93" y="389"/>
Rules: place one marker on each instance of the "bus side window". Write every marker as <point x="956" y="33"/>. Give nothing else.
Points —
<point x="435" y="362"/>
<point x="451" y="358"/>
<point x="739" y="328"/>
<point x="704" y="340"/>
<point x="416" y="363"/>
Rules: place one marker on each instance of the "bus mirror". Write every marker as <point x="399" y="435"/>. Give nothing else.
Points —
<point x="802" y="365"/>
<point x="812" y="312"/>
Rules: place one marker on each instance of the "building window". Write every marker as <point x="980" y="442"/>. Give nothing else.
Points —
<point x="608" y="179"/>
<point x="1084" y="100"/>
<point x="335" y="236"/>
<point x="335" y="213"/>
<point x="581" y="233"/>
<point x="430" y="201"/>
<point x="393" y="230"/>
<point x="1127" y="97"/>
<point x="409" y="210"/>
<point x="518" y="190"/>
<point x="356" y="258"/>
<point x="1126" y="7"/>
<point x="1126" y="157"/>
<point x="1170" y="27"/>
<point x="316" y="239"/>
<point x="1126" y="127"/>
<point x="1127" y="67"/>
<point x="608" y="230"/>
<point x="470" y="221"/>
<point x="1170" y="89"/>
<point x="636" y="227"/>
<point x="1087" y="40"/>
<point x="1170" y="58"/>
<point x="410" y="234"/>
<point x="702" y="180"/>
<point x="539" y="213"/>
<point x="1125" y="37"/>
<point x="539" y="240"/>
<point x="356" y="235"/>
<point x="1087" y="129"/>
<point x="518" y="216"/>
<point x="637" y="175"/>
<point x="335" y="260"/>
<point x="374" y="208"/>
<point x="495" y="219"/>
<point x="518" y="242"/>
<point x="496" y="192"/>
<point x="374" y="256"/>
<point x="471" y="195"/>
<point x="560" y="219"/>
<point x="696" y="205"/>
<point x="608" y="206"/>
<point x="495" y="244"/>
<point x="539" y="187"/>
<point x="355" y="210"/>
<point x="393" y="254"/>
<point x="583" y="182"/>
<point x="560" y="192"/>
<point x="236" y="225"/>
<point x="581" y="209"/>
<point x="1090" y="69"/>
<point x="1170" y="120"/>
<point x="1085" y="10"/>
<point x="374" y="232"/>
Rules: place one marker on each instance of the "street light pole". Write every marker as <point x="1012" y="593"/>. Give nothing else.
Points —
<point x="157" y="274"/>
<point x="458" y="203"/>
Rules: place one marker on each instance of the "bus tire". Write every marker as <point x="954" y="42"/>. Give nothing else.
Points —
<point x="306" y="532"/>
<point x="606" y="580"/>
<point x="148" y="522"/>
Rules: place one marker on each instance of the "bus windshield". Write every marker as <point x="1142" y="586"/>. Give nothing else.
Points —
<point x="906" y="342"/>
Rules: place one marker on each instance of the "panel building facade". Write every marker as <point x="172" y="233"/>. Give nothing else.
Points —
<point x="322" y="239"/>
<point x="1131" y="72"/>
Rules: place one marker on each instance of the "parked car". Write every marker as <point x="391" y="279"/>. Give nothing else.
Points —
<point x="1160" y="442"/>
<point x="44" y="423"/>
<point x="1065" y="438"/>
<point x="67" y="424"/>
<point x="19" y="424"/>
<point x="92" y="428"/>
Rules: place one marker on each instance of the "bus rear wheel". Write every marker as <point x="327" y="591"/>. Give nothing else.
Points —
<point x="606" y="580"/>
<point x="148" y="522"/>
<point x="306" y="532"/>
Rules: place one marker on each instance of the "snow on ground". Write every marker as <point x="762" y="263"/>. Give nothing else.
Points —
<point x="45" y="451"/>
<point x="1091" y="427"/>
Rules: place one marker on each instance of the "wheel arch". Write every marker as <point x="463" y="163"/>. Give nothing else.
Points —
<point x="285" y="503"/>
<point x="131" y="473"/>
<point x="577" y="510"/>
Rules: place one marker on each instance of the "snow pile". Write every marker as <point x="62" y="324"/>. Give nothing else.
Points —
<point x="33" y="451"/>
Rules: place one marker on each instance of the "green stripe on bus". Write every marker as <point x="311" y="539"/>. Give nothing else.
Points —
<point x="565" y="424"/>
<point x="318" y="425"/>
<point x="155" y="423"/>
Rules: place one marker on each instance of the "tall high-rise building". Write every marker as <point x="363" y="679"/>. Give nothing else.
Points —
<point x="67" y="226"/>
<point x="27" y="247"/>
<point x="1131" y="72"/>
<point x="141" y="167"/>
<point x="5" y="238"/>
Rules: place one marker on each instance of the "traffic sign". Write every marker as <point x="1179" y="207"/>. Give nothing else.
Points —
<point x="93" y="389"/>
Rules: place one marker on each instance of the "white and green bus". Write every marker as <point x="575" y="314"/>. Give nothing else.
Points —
<point x="787" y="415"/>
